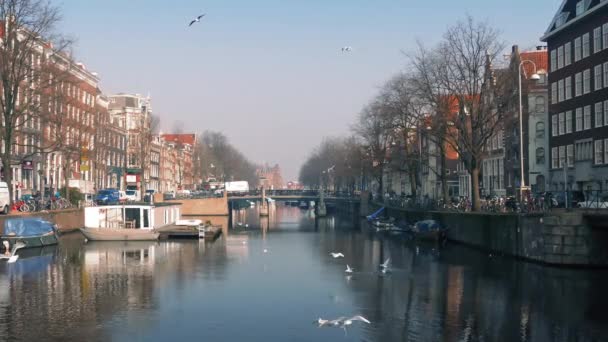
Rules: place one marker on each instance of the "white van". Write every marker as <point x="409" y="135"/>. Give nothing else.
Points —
<point x="5" y="199"/>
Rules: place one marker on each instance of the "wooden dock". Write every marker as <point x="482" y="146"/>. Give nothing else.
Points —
<point x="188" y="232"/>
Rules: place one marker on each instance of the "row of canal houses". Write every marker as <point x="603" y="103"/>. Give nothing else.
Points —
<point x="86" y="139"/>
<point x="565" y="117"/>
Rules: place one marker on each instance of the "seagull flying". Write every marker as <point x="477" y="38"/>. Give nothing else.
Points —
<point x="337" y="255"/>
<point x="196" y="21"/>
<point x="386" y="263"/>
<point x="349" y="269"/>
<point x="347" y="49"/>
<point x="265" y="250"/>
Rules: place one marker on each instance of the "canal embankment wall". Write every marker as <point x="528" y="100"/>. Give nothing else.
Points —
<point x="564" y="238"/>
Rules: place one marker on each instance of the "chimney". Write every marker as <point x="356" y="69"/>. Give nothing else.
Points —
<point x="541" y="47"/>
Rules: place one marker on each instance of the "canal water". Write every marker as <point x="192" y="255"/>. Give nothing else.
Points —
<point x="269" y="282"/>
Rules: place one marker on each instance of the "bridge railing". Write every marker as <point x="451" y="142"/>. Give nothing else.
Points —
<point x="296" y="193"/>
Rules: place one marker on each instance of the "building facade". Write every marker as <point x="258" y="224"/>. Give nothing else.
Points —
<point x="577" y="40"/>
<point x="111" y="148"/>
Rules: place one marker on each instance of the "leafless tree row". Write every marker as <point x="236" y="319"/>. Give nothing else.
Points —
<point x="447" y="92"/>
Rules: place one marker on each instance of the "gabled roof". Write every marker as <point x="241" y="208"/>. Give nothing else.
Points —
<point x="567" y="9"/>
<point x="539" y="57"/>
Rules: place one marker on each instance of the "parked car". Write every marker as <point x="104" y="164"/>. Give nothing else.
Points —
<point x="574" y="197"/>
<point x="595" y="201"/>
<point x="133" y="195"/>
<point x="107" y="196"/>
<point x="122" y="196"/>
<point x="5" y="199"/>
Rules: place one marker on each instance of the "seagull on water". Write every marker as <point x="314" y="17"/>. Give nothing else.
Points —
<point x="196" y="21"/>
<point x="349" y="321"/>
<point x="330" y="323"/>
<point x="349" y="269"/>
<point x="347" y="49"/>
<point x="265" y="250"/>
<point x="337" y="255"/>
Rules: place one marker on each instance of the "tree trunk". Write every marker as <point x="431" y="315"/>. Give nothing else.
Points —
<point x="66" y="177"/>
<point x="413" y="182"/>
<point x="475" y="201"/>
<point x="444" y="178"/>
<point x="8" y="174"/>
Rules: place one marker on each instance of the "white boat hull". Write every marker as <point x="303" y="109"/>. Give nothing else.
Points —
<point x="119" y="234"/>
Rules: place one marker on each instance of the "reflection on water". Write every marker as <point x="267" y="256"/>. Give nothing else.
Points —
<point x="231" y="290"/>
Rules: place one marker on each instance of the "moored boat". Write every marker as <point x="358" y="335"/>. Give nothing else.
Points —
<point x="429" y="230"/>
<point x="31" y="231"/>
<point x="132" y="222"/>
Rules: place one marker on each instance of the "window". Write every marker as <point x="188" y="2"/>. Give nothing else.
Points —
<point x="587" y="81"/>
<point x="570" y="155"/>
<point x="560" y="57"/>
<point x="605" y="150"/>
<point x="605" y="35"/>
<point x="599" y="115"/>
<point x="562" y="124"/>
<point x="578" y="84"/>
<point x="554" y="160"/>
<point x="587" y="117"/>
<point x="606" y="74"/>
<point x="597" y="39"/>
<point x="554" y="92"/>
<point x="562" y="156"/>
<point x="599" y="152"/>
<point x="606" y="112"/>
<point x="579" y="119"/>
<point x="568" y="87"/>
<point x="540" y="104"/>
<point x="577" y="50"/>
<point x="598" y="77"/>
<point x="569" y="122"/>
<point x="560" y="90"/>
<point x="540" y="129"/>
<point x="580" y="7"/>
<point x="554" y="125"/>
<point x="540" y="155"/>
<point x="567" y="54"/>
<point x="553" y="60"/>
<point x="586" y="45"/>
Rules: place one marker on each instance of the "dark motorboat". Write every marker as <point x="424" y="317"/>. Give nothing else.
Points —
<point x="30" y="231"/>
<point x="429" y="230"/>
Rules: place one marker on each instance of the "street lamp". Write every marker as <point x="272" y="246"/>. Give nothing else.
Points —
<point x="534" y="77"/>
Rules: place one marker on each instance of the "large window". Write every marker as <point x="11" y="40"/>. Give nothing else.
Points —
<point x="553" y="60"/>
<point x="570" y="154"/>
<point x="599" y="115"/>
<point x="554" y="130"/>
<point x="606" y="112"/>
<point x="562" y="156"/>
<point x="560" y="57"/>
<point x="587" y="81"/>
<point x="599" y="152"/>
<point x="587" y="117"/>
<point x="568" y="86"/>
<point x="579" y="119"/>
<point x="597" y="39"/>
<point x="598" y="77"/>
<point x="578" y="84"/>
<point x="577" y="50"/>
<point x="586" y="45"/>
<point x="540" y="155"/>
<point x="554" y="92"/>
<point x="539" y="102"/>
<point x="605" y="35"/>
<point x="540" y="129"/>
<point x="567" y="54"/>
<point x="560" y="90"/>
<point x="554" y="158"/>
<point x="569" y="122"/>
<point x="562" y="124"/>
<point x="606" y="150"/>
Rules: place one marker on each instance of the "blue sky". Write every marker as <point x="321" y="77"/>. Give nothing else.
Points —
<point x="269" y="73"/>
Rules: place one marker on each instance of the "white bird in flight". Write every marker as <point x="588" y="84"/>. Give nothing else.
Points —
<point x="265" y="250"/>
<point x="337" y="255"/>
<point x="196" y="21"/>
<point x="349" y="269"/>
<point x="386" y="263"/>
<point x="347" y="49"/>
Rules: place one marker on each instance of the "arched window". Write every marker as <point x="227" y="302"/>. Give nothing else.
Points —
<point x="540" y="129"/>
<point x="540" y="155"/>
<point x="540" y="104"/>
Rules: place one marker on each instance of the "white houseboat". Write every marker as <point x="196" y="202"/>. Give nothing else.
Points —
<point x="129" y="222"/>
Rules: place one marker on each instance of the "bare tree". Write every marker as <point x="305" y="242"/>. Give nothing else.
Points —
<point x="459" y="69"/>
<point x="375" y="129"/>
<point x="29" y="53"/>
<point x="147" y="129"/>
